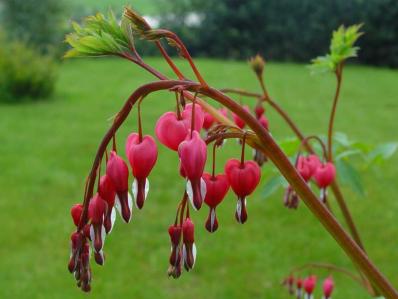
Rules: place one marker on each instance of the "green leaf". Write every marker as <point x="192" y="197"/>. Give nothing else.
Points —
<point x="341" y="48"/>
<point x="273" y="185"/>
<point x="289" y="145"/>
<point x="350" y="176"/>
<point x="382" y="152"/>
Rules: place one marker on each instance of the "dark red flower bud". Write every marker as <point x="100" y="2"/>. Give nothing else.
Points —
<point x="193" y="155"/>
<point x="175" y="232"/>
<point x="142" y="156"/>
<point x="189" y="247"/>
<point x="118" y="172"/>
<point x="243" y="179"/>
<point x="99" y="257"/>
<point x="259" y="110"/>
<point x="76" y="242"/>
<point x="208" y="121"/>
<point x="259" y="157"/>
<point x="76" y="213"/>
<point x="240" y="123"/>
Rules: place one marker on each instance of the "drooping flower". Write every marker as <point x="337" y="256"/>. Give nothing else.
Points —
<point x="328" y="286"/>
<point x="324" y="176"/>
<point x="240" y="123"/>
<point x="304" y="168"/>
<point x="97" y="209"/>
<point x="216" y="189"/>
<point x="107" y="192"/>
<point x="290" y="199"/>
<point x="299" y="287"/>
<point x="264" y="122"/>
<point x="188" y="247"/>
<point x="208" y="121"/>
<point x="199" y="117"/>
<point x="76" y="212"/>
<point x="142" y="156"/>
<point x="76" y="242"/>
<point x="175" y="260"/>
<point x="259" y="109"/>
<point x="117" y="171"/>
<point x="193" y="155"/>
<point x="309" y="286"/>
<point x="170" y="130"/>
<point x="243" y="179"/>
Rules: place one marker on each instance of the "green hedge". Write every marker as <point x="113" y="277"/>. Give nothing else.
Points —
<point x="287" y="29"/>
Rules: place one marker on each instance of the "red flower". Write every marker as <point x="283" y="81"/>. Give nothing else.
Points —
<point x="118" y="172"/>
<point x="304" y="168"/>
<point x="259" y="110"/>
<point x="309" y="285"/>
<point x="76" y="212"/>
<point x="142" y="156"/>
<point x="96" y="213"/>
<point x="324" y="176"/>
<point x="263" y="121"/>
<point x="216" y="189"/>
<point x="193" y="155"/>
<point x="107" y="192"/>
<point x="328" y="286"/>
<point x="208" y="121"/>
<point x="76" y="241"/>
<point x="199" y="117"/>
<point x="243" y="179"/>
<point x="175" y="260"/>
<point x="170" y="130"/>
<point x="240" y="123"/>
<point x="188" y="247"/>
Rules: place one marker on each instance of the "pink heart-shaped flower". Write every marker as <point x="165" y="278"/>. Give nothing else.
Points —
<point x="170" y="130"/>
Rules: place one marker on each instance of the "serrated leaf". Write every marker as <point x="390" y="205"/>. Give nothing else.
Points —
<point x="273" y="185"/>
<point x="350" y="176"/>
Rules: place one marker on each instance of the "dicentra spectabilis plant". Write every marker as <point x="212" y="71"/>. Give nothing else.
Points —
<point x="189" y="130"/>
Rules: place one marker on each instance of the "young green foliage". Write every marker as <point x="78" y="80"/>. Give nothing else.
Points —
<point x="100" y="35"/>
<point x="341" y="48"/>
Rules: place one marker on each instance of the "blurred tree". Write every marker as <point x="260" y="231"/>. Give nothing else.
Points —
<point x="285" y="29"/>
<point x="39" y="23"/>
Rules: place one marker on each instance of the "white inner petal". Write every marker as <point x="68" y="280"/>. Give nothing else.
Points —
<point x="203" y="188"/>
<point x="194" y="254"/>
<point x="92" y="235"/>
<point x="190" y="194"/>
<point x="239" y="209"/>
<point x="118" y="205"/>
<point x="130" y="204"/>
<point x="212" y="217"/>
<point x="184" y="253"/>
<point x="134" y="189"/>
<point x="146" y="187"/>
<point x="113" y="218"/>
<point x="103" y="235"/>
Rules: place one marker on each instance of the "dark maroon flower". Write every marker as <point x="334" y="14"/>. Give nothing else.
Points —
<point x="96" y="213"/>
<point x="188" y="247"/>
<point x="107" y="192"/>
<point x="76" y="212"/>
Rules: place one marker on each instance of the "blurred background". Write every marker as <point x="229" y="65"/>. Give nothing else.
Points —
<point x="53" y="113"/>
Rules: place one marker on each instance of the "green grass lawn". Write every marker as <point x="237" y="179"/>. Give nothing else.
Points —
<point x="47" y="148"/>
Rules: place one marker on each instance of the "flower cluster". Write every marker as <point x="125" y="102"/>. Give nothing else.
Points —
<point x="311" y="167"/>
<point x="178" y="131"/>
<point x="304" y="288"/>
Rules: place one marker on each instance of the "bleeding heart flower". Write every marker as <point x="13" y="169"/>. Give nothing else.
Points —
<point x="243" y="179"/>
<point x="142" y="156"/>
<point x="299" y="287"/>
<point x="199" y="117"/>
<point x="328" y="286"/>
<point x="171" y="131"/>
<point x="324" y="176"/>
<point x="76" y="213"/>
<point x="208" y="121"/>
<point x="76" y="241"/>
<point x="259" y="110"/>
<point x="118" y="172"/>
<point x="188" y="247"/>
<point x="240" y="123"/>
<point x="96" y="213"/>
<point x="107" y="192"/>
<point x="309" y="286"/>
<point x="175" y="232"/>
<point x="193" y="155"/>
<point x="290" y="199"/>
<point x="216" y="189"/>
<point x="263" y="121"/>
<point x="304" y="168"/>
